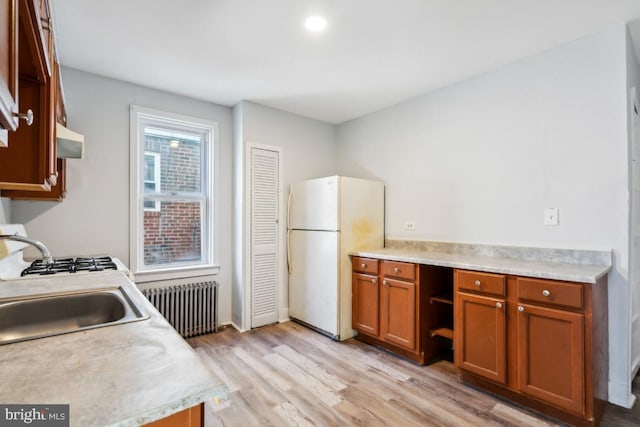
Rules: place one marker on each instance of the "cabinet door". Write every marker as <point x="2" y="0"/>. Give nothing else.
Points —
<point x="190" y="417"/>
<point x="8" y="67"/>
<point x="25" y="163"/>
<point x="551" y="356"/>
<point x="398" y="313"/>
<point x="365" y="304"/>
<point x="480" y="336"/>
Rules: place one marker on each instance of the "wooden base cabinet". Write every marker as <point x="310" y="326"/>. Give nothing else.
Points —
<point x="399" y="304"/>
<point x="536" y="341"/>
<point x="391" y="306"/>
<point x="190" y="417"/>
<point x="551" y="356"/>
<point x="366" y="304"/>
<point x="480" y="316"/>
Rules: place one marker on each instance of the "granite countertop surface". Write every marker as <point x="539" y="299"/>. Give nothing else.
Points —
<point x="572" y="272"/>
<point x="122" y="375"/>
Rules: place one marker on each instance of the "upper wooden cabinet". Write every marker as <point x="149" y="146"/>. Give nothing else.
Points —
<point x="29" y="163"/>
<point x="8" y="69"/>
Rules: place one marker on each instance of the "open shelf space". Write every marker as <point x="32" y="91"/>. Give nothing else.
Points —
<point x="444" y="299"/>
<point x="442" y="332"/>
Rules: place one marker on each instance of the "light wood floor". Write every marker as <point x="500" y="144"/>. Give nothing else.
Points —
<point x="286" y="374"/>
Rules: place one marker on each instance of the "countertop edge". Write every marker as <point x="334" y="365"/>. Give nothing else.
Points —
<point x="581" y="273"/>
<point x="172" y="408"/>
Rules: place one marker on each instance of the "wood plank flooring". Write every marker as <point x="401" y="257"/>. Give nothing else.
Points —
<point x="288" y="375"/>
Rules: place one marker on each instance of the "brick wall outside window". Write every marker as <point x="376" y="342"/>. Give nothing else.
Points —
<point x="172" y="234"/>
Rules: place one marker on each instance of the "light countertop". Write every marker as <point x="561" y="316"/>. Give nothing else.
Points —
<point x="572" y="272"/>
<point x="122" y="375"/>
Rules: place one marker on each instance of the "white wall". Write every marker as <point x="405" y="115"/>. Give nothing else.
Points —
<point x="309" y="151"/>
<point x="239" y="223"/>
<point x="5" y="210"/>
<point x="479" y="161"/>
<point x="94" y="217"/>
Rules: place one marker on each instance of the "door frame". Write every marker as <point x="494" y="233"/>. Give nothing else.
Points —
<point x="634" y="285"/>
<point x="283" y="313"/>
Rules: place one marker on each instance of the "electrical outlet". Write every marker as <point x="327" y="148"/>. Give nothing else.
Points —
<point x="551" y="216"/>
<point x="410" y="225"/>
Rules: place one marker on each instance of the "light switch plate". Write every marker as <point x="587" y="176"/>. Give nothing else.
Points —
<point x="551" y="216"/>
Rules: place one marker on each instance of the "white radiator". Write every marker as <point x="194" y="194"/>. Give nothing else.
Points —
<point x="192" y="309"/>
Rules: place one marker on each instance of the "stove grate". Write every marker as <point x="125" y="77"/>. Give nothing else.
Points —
<point x="70" y="265"/>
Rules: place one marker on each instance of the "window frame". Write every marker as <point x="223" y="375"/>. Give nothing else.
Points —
<point x="139" y="118"/>
<point x="157" y="167"/>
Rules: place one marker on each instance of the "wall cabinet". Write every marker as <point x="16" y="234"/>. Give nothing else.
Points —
<point x="8" y="69"/>
<point x="29" y="162"/>
<point x="391" y="306"/>
<point x="542" y="343"/>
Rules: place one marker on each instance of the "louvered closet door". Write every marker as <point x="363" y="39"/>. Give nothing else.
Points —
<point x="264" y="236"/>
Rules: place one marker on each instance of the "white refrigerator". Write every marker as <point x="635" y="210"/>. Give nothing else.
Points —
<point x="328" y="218"/>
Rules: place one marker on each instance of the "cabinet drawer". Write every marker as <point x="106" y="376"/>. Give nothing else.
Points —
<point x="364" y="265"/>
<point x="550" y="292"/>
<point x="401" y="270"/>
<point x="486" y="283"/>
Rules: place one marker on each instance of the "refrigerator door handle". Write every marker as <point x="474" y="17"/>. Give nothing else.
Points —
<point x="289" y="266"/>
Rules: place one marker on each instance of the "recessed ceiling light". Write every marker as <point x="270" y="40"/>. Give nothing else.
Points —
<point x="174" y="143"/>
<point x="315" y="23"/>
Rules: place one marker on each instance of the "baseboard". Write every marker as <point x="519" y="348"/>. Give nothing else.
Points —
<point x="284" y="315"/>
<point x="620" y="394"/>
<point x="237" y="328"/>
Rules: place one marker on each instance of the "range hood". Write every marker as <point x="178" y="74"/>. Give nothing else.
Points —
<point x="69" y="144"/>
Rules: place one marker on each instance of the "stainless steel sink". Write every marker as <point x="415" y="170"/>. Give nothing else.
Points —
<point x="24" y="319"/>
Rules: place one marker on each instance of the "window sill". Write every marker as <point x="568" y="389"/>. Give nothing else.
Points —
<point x="175" y="273"/>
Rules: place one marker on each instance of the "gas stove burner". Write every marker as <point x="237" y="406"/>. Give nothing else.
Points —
<point x="70" y="265"/>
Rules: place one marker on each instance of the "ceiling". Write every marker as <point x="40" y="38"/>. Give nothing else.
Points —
<point x="373" y="53"/>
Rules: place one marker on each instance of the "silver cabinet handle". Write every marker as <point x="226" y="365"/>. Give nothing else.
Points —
<point x="364" y="265"/>
<point x="546" y="293"/>
<point x="27" y="117"/>
<point x="520" y="308"/>
<point x="499" y="305"/>
<point x="395" y="269"/>
<point x="373" y="280"/>
<point x="477" y="283"/>
<point x="384" y="282"/>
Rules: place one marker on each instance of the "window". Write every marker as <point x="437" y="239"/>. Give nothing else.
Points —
<point x="151" y="179"/>
<point x="171" y="192"/>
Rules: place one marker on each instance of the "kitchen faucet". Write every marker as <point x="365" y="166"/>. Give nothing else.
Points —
<point x="41" y="247"/>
